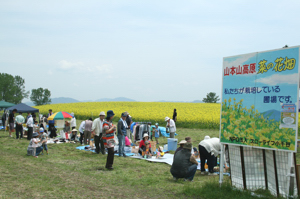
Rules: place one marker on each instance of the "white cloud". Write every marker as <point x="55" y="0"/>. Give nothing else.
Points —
<point x="238" y="61"/>
<point x="279" y="79"/>
<point x="69" y="65"/>
<point x="83" y="67"/>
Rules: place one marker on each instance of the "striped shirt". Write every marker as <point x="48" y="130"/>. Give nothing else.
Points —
<point x="108" y="138"/>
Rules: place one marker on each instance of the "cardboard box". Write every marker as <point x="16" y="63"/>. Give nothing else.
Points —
<point x="153" y="145"/>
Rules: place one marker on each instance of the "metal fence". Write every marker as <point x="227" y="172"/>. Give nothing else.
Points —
<point x="253" y="168"/>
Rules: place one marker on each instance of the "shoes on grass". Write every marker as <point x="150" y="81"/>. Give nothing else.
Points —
<point x="188" y="180"/>
<point x="212" y="174"/>
<point x="174" y="178"/>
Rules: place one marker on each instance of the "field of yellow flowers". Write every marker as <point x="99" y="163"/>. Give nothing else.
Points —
<point x="247" y="126"/>
<point x="189" y="115"/>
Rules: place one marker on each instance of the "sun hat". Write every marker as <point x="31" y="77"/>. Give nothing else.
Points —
<point x="167" y="118"/>
<point x="206" y="137"/>
<point x="161" y="148"/>
<point x="156" y="124"/>
<point x="102" y="113"/>
<point x="72" y="113"/>
<point x="74" y="130"/>
<point x="182" y="142"/>
<point x="110" y="113"/>
<point x="188" y="146"/>
<point x="41" y="130"/>
<point x="35" y="134"/>
<point x="124" y="114"/>
<point x="146" y="135"/>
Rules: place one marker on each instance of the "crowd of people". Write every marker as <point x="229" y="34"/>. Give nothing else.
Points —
<point x="103" y="132"/>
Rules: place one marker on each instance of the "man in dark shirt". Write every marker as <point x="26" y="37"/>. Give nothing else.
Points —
<point x="129" y="122"/>
<point x="11" y="121"/>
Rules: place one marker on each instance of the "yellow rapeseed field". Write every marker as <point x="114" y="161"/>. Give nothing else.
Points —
<point x="191" y="115"/>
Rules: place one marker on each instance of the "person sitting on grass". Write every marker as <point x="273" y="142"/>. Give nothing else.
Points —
<point x="160" y="153"/>
<point x="184" y="164"/>
<point x="36" y="144"/>
<point x="43" y="139"/>
<point x="146" y="153"/>
<point x="142" y="145"/>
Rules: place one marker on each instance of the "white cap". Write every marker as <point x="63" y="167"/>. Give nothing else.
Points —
<point x="72" y="113"/>
<point x="102" y="113"/>
<point x="146" y="135"/>
<point x="206" y="137"/>
<point x="167" y="118"/>
<point x="41" y="130"/>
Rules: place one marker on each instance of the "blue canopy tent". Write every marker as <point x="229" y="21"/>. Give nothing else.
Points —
<point x="23" y="108"/>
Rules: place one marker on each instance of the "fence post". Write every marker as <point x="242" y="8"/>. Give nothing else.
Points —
<point x="265" y="168"/>
<point x="243" y="167"/>
<point x="276" y="175"/>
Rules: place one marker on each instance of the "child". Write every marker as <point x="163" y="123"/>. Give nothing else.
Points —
<point x="156" y="132"/>
<point x="146" y="152"/>
<point x="36" y="144"/>
<point x="43" y="140"/>
<point x="160" y="153"/>
<point x="36" y="127"/>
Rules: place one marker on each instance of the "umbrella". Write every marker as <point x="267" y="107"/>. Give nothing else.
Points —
<point x="60" y="115"/>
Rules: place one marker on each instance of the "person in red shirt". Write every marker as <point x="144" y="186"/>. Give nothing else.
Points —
<point x="142" y="145"/>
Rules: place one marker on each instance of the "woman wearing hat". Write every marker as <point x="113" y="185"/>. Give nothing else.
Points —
<point x="172" y="126"/>
<point x="108" y="138"/>
<point x="184" y="164"/>
<point x="142" y="145"/>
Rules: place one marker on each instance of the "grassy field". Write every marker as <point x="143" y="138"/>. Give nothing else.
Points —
<point x="70" y="173"/>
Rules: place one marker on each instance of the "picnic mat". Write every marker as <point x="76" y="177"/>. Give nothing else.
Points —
<point x="92" y="150"/>
<point x="168" y="159"/>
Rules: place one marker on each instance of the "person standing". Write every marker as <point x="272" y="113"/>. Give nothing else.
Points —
<point x="109" y="130"/>
<point x="11" y="121"/>
<point x="20" y="120"/>
<point x="129" y="122"/>
<point x="122" y="131"/>
<point x="97" y="130"/>
<point x="184" y="164"/>
<point x="29" y="126"/>
<point x="156" y="132"/>
<point x="73" y="121"/>
<point x="175" y="115"/>
<point x="88" y="130"/>
<point x="172" y="126"/>
<point x="3" y="119"/>
<point x="51" y="127"/>
<point x="81" y="130"/>
<point x="209" y="149"/>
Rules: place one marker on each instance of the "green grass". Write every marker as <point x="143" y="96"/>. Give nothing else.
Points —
<point x="70" y="173"/>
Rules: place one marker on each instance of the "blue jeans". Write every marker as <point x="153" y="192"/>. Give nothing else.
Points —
<point x="121" y="144"/>
<point x="191" y="172"/>
<point x="38" y="150"/>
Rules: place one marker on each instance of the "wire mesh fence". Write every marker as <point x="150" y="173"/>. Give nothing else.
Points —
<point x="249" y="171"/>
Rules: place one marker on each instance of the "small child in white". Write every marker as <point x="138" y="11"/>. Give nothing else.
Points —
<point x="160" y="153"/>
<point x="43" y="138"/>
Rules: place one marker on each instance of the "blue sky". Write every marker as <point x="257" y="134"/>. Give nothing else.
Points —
<point x="144" y="50"/>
